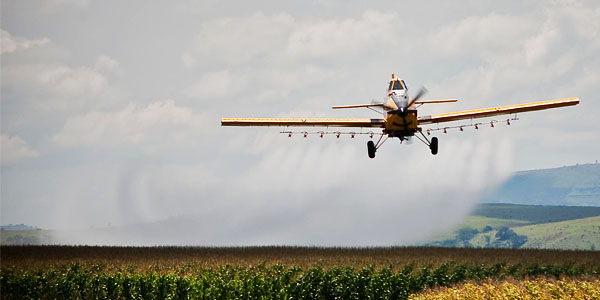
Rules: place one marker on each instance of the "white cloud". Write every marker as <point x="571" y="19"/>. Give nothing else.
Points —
<point x="282" y="39"/>
<point x="258" y="84"/>
<point x="346" y="36"/>
<point x="10" y="43"/>
<point x="238" y="41"/>
<point x="67" y="81"/>
<point x="481" y="34"/>
<point x="218" y="84"/>
<point x="105" y="63"/>
<point x="159" y="125"/>
<point x="70" y="2"/>
<point x="15" y="149"/>
<point x="54" y="86"/>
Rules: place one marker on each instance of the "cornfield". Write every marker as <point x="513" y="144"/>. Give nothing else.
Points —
<point x="526" y="289"/>
<point x="76" y="281"/>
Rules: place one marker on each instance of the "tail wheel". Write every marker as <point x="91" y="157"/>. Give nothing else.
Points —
<point x="371" y="149"/>
<point x="434" y="145"/>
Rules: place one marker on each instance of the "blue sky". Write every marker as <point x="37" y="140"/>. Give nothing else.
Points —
<point x="111" y="109"/>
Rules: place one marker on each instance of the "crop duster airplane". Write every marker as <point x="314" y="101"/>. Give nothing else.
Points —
<point x="400" y="118"/>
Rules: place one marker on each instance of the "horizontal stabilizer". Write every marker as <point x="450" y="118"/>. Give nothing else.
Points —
<point x="357" y="105"/>
<point x="436" y="101"/>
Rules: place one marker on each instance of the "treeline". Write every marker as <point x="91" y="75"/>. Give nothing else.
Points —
<point x="503" y="238"/>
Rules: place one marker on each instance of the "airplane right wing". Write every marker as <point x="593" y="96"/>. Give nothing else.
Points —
<point x="503" y="110"/>
<point x="303" y="122"/>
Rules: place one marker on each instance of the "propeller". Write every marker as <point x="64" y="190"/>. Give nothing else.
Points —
<point x="402" y="104"/>
<point x="389" y="104"/>
<point x="420" y="94"/>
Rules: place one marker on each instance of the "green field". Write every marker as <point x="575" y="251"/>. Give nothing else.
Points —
<point x="535" y="214"/>
<point x="573" y="234"/>
<point x="526" y="226"/>
<point x="64" y="272"/>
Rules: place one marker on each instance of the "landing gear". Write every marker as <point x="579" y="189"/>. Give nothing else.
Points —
<point x="434" y="145"/>
<point x="371" y="149"/>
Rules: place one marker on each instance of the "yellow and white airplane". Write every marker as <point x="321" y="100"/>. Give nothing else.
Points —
<point x="400" y="118"/>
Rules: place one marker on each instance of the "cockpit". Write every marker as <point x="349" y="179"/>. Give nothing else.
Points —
<point x="397" y="84"/>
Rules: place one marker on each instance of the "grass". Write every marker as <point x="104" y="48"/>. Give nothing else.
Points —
<point x="581" y="234"/>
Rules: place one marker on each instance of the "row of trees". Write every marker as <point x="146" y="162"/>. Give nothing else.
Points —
<point x="504" y="238"/>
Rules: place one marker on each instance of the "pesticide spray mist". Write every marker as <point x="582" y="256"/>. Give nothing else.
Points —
<point x="303" y="192"/>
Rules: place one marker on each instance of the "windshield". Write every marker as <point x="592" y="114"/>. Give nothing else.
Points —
<point x="396" y="85"/>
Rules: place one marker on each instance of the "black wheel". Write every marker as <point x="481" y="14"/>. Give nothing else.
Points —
<point x="434" y="146"/>
<point x="371" y="149"/>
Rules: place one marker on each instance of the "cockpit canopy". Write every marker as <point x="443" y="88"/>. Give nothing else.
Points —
<point x="397" y="84"/>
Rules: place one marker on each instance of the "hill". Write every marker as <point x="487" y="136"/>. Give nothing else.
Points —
<point x="573" y="234"/>
<point x="17" y="227"/>
<point x="534" y="214"/>
<point x="577" y="185"/>
<point x="526" y="226"/>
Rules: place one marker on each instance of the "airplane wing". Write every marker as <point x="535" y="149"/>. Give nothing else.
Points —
<point x="495" y="111"/>
<point x="303" y="122"/>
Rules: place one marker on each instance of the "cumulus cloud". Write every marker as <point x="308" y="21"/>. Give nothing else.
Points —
<point x="61" y="88"/>
<point x="281" y="38"/>
<point x="10" y="43"/>
<point x="259" y="85"/>
<point x="237" y="41"/>
<point x="54" y="86"/>
<point x="157" y="125"/>
<point x="480" y="34"/>
<point x="331" y="38"/>
<point x="15" y="149"/>
<point x="532" y="55"/>
<point x="105" y="63"/>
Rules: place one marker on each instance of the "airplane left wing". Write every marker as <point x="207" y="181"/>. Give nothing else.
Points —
<point x="495" y="111"/>
<point x="303" y="122"/>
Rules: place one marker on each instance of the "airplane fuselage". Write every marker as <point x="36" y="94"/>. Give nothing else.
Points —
<point x="400" y="116"/>
<point x="401" y="124"/>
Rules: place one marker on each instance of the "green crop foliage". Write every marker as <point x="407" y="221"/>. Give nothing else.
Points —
<point x="75" y="281"/>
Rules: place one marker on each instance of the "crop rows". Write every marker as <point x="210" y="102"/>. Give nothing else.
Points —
<point x="539" y="289"/>
<point x="76" y="281"/>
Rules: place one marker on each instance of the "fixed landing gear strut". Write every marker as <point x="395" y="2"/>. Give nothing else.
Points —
<point x="433" y="144"/>
<point x="372" y="147"/>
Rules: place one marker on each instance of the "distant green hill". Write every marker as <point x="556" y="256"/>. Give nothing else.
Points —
<point x="535" y="214"/>
<point x="572" y="234"/>
<point x="577" y="185"/>
<point x="526" y="226"/>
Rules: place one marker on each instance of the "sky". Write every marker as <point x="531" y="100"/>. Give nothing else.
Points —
<point x="110" y="113"/>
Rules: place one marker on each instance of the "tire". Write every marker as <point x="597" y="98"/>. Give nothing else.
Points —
<point x="434" y="145"/>
<point x="371" y="149"/>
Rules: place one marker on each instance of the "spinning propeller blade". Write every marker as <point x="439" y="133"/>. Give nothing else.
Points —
<point x="420" y="94"/>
